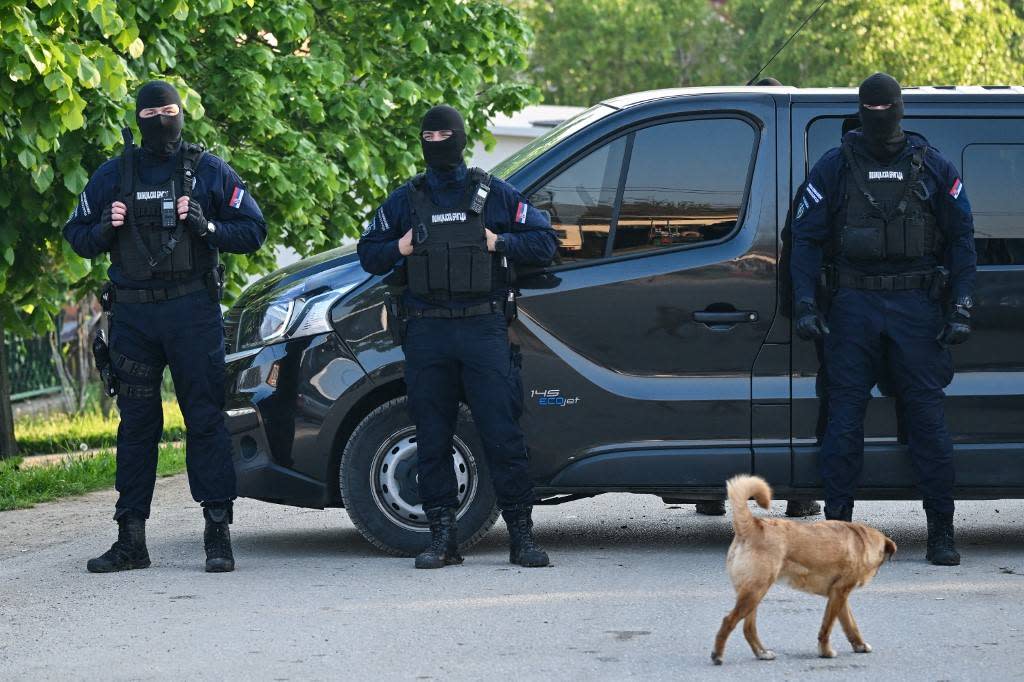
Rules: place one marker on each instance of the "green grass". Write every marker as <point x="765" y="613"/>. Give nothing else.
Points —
<point x="61" y="433"/>
<point x="22" y="487"/>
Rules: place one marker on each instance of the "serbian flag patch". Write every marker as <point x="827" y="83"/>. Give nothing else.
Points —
<point x="955" y="190"/>
<point x="236" y="197"/>
<point x="521" y="213"/>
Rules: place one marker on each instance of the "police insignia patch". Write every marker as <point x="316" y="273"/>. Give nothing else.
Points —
<point x="801" y="209"/>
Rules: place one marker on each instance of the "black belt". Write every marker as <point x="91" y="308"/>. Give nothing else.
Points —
<point x="900" y="282"/>
<point x="122" y="295"/>
<point x="453" y="313"/>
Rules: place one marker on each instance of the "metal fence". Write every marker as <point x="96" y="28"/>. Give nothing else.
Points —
<point x="30" y="366"/>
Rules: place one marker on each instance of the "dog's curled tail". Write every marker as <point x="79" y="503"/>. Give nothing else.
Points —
<point x="742" y="488"/>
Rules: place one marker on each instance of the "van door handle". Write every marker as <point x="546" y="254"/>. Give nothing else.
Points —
<point x="715" y="317"/>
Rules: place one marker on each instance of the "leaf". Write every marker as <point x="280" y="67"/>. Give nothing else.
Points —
<point x="20" y="72"/>
<point x="418" y="45"/>
<point x="88" y="74"/>
<point x="27" y="158"/>
<point x="136" y="48"/>
<point x="9" y="255"/>
<point x="76" y="179"/>
<point x="42" y="177"/>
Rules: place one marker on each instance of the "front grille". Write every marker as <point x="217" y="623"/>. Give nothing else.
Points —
<point x="231" y="318"/>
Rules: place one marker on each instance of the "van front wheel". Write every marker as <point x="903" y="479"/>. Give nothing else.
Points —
<point x="379" y="482"/>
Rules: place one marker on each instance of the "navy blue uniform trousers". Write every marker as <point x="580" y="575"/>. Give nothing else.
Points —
<point x="187" y="334"/>
<point x="899" y="329"/>
<point x="447" y="360"/>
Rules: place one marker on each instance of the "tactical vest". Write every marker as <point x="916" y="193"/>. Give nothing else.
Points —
<point x="450" y="260"/>
<point x="153" y="243"/>
<point x="887" y="218"/>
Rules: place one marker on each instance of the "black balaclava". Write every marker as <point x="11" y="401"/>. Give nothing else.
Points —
<point x="445" y="155"/>
<point x="161" y="135"/>
<point x="882" y="131"/>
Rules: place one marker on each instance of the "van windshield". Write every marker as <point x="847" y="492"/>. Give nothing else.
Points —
<point x="548" y="140"/>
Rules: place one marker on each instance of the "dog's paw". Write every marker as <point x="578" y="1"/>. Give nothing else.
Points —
<point x="826" y="651"/>
<point x="862" y="648"/>
<point x="716" y="658"/>
<point x="766" y="655"/>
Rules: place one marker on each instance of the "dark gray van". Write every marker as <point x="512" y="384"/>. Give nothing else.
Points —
<point x="658" y="351"/>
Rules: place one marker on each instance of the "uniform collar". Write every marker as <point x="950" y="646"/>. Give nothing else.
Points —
<point x="152" y="157"/>
<point x="915" y="141"/>
<point x="442" y="180"/>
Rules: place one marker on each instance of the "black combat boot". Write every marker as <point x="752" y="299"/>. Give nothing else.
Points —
<point x="523" y="549"/>
<point x="217" y="539"/>
<point x="941" y="550"/>
<point x="444" y="540"/>
<point x="128" y="552"/>
<point x="801" y="508"/>
<point x="711" y="507"/>
<point x="839" y="512"/>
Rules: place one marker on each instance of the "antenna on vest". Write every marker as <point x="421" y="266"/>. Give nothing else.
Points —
<point x="778" y="51"/>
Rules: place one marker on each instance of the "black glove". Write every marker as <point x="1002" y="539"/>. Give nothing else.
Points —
<point x="958" y="324"/>
<point x="195" y="221"/>
<point x="107" y="222"/>
<point x="810" y="323"/>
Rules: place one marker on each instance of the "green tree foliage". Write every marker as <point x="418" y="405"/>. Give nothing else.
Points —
<point x="920" y="42"/>
<point x="589" y="50"/>
<point x="314" y="102"/>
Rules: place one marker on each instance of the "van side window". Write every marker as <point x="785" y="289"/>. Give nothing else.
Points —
<point x="685" y="184"/>
<point x="994" y="177"/>
<point x="581" y="199"/>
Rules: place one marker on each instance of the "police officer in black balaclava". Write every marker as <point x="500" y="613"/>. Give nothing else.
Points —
<point x="455" y="232"/>
<point x="893" y="217"/>
<point x="164" y="212"/>
<point x="881" y="110"/>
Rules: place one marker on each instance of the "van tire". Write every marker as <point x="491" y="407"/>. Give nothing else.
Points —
<point x="385" y="514"/>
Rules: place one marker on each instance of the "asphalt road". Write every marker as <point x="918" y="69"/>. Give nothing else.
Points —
<point x="637" y="590"/>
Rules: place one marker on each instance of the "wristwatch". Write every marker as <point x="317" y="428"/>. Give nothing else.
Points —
<point x="500" y="245"/>
<point x="210" y="228"/>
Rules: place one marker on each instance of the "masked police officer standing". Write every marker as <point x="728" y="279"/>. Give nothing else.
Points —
<point x="459" y="232"/>
<point x="164" y="212"/>
<point x="890" y="218"/>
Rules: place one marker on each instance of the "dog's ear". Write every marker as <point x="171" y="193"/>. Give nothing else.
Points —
<point x="890" y="548"/>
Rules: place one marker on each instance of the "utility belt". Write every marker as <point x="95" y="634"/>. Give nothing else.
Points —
<point x="212" y="282"/>
<point x="107" y="360"/>
<point x="398" y="314"/>
<point x="935" y="281"/>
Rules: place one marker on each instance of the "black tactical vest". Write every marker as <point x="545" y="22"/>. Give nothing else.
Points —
<point x="153" y="243"/>
<point x="450" y="260"/>
<point x="886" y="218"/>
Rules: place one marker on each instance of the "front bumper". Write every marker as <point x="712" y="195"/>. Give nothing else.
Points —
<point x="280" y="409"/>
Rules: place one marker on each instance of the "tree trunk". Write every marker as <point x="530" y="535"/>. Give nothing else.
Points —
<point x="67" y="391"/>
<point x="8" y="446"/>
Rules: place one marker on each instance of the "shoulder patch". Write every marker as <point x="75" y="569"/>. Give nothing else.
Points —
<point x="801" y="208"/>
<point x="955" y="190"/>
<point x="813" y="192"/>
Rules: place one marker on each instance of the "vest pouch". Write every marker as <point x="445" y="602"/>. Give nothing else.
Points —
<point x="865" y="241"/>
<point x="470" y="271"/>
<point x="180" y="259"/>
<point x="917" y="235"/>
<point x="417" y="264"/>
<point x="437" y="269"/>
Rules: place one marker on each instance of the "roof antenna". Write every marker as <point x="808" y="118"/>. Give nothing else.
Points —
<point x="799" y="28"/>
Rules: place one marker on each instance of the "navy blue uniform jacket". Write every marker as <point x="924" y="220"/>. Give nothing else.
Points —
<point x="225" y="200"/>
<point x="527" y="231"/>
<point x="817" y="213"/>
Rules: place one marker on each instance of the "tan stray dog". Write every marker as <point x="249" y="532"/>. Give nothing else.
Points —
<point x="829" y="558"/>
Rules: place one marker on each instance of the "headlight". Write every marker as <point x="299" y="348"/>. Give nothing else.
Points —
<point x="286" y="319"/>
